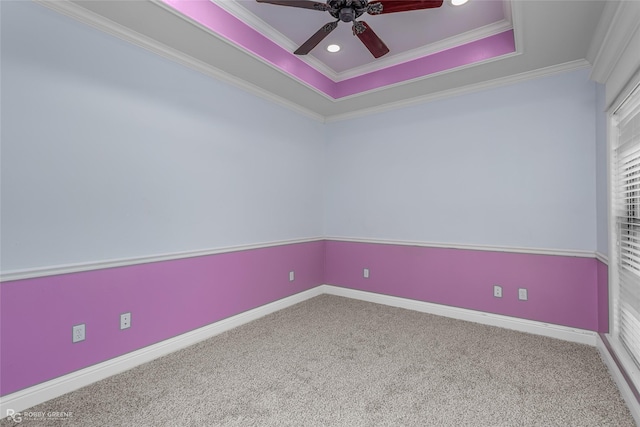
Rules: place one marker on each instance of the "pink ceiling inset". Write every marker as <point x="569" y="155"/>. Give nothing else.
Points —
<point x="222" y="23"/>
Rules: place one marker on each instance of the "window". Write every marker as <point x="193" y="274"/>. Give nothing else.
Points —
<point x="625" y="274"/>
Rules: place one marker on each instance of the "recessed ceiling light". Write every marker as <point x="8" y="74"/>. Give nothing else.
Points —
<point x="333" y="48"/>
<point x="458" y="2"/>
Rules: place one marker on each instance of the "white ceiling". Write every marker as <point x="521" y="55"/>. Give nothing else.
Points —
<point x="550" y="36"/>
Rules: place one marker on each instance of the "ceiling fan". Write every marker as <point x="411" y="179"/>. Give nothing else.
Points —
<point x="349" y="11"/>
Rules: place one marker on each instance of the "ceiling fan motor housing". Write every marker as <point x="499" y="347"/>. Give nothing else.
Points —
<point x="347" y="14"/>
<point x="347" y="10"/>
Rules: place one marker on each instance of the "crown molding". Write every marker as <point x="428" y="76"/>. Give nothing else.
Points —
<point x="601" y="31"/>
<point x="439" y="46"/>
<point x="79" y="13"/>
<point x="619" y="21"/>
<point x="426" y="76"/>
<point x="504" y="81"/>
<point x="180" y="15"/>
<point x="517" y="21"/>
<point x="507" y="11"/>
<point x="235" y="8"/>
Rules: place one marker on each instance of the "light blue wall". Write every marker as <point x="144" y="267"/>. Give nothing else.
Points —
<point x="512" y="166"/>
<point x="602" y="210"/>
<point x="110" y="151"/>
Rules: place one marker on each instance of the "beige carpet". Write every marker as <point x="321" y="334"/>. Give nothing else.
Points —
<point x="333" y="361"/>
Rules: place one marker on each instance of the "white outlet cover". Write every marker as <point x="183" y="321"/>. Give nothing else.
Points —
<point x="291" y="276"/>
<point x="78" y="333"/>
<point x="522" y="294"/>
<point x="125" y="320"/>
<point x="365" y="273"/>
<point x="497" y="291"/>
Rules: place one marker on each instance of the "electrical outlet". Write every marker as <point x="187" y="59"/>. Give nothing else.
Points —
<point x="125" y="320"/>
<point x="292" y="276"/>
<point x="522" y="294"/>
<point x="365" y="273"/>
<point x="497" y="291"/>
<point x="78" y="333"/>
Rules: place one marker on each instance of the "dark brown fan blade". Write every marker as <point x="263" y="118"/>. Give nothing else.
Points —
<point x="298" y="3"/>
<point x="392" y="6"/>
<point x="316" y="38"/>
<point x="370" y="39"/>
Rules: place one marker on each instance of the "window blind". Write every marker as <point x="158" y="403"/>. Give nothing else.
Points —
<point x="626" y="153"/>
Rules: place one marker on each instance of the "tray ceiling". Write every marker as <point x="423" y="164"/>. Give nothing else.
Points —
<point x="433" y="53"/>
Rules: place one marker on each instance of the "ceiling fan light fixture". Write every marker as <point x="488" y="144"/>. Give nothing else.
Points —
<point x="333" y="48"/>
<point x="350" y="11"/>
<point x="458" y="2"/>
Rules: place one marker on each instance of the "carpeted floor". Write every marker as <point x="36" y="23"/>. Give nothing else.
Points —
<point x="333" y="361"/>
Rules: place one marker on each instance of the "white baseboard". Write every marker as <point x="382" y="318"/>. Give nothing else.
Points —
<point x="531" y="326"/>
<point x="40" y="393"/>
<point x="621" y="382"/>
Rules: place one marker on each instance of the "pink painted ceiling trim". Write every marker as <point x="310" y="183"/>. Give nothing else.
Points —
<point x="221" y="22"/>
<point x="470" y="53"/>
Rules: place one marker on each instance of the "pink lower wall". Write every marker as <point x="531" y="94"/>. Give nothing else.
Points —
<point x="562" y="290"/>
<point x="170" y="298"/>
<point x="166" y="299"/>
